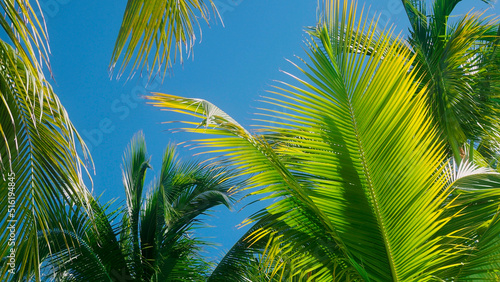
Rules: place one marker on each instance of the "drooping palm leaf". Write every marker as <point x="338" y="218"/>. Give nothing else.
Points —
<point x="39" y="147"/>
<point x="184" y="191"/>
<point x="158" y="32"/>
<point x="38" y="141"/>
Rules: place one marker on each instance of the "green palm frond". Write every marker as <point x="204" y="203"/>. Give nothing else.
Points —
<point x="362" y="124"/>
<point x="158" y="32"/>
<point x="183" y="262"/>
<point x="135" y="165"/>
<point x="27" y="34"/>
<point x="452" y="57"/>
<point x="40" y="150"/>
<point x="353" y="161"/>
<point x="93" y="253"/>
<point x="239" y="262"/>
<point x="156" y="230"/>
<point x="184" y="191"/>
<point x="27" y="45"/>
<point x="79" y="247"/>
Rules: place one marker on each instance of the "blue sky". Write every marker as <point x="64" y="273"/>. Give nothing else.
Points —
<point x="232" y="66"/>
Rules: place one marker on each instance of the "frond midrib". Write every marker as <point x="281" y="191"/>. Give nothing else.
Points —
<point x="371" y="194"/>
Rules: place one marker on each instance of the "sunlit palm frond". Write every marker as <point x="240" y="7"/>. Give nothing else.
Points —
<point x="238" y="263"/>
<point x="39" y="149"/>
<point x="39" y="142"/>
<point x="362" y="125"/>
<point x="158" y="32"/>
<point x="356" y="137"/>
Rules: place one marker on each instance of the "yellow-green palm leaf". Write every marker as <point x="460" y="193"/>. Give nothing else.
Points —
<point x="155" y="33"/>
<point x="39" y="150"/>
<point x="353" y="163"/>
<point x="38" y="143"/>
<point x="456" y="58"/>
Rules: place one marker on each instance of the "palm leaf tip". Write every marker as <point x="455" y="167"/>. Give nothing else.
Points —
<point x="168" y="33"/>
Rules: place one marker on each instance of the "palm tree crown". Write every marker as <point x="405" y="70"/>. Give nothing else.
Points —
<point x="363" y="183"/>
<point x="154" y="241"/>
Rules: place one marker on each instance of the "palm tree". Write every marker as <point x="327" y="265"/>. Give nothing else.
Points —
<point x="156" y="33"/>
<point x="40" y="167"/>
<point x="39" y="154"/>
<point x="458" y="63"/>
<point x="154" y="241"/>
<point x="364" y="185"/>
<point x="39" y="159"/>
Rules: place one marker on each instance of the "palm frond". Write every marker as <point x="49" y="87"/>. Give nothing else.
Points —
<point x="40" y="155"/>
<point x="158" y="32"/>
<point x="280" y="255"/>
<point x="357" y="136"/>
<point x="135" y="165"/>
<point x="451" y="56"/>
<point x="40" y="151"/>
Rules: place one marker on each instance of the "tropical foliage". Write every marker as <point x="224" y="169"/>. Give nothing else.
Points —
<point x="381" y="163"/>
<point x="40" y="169"/>
<point x="369" y="176"/>
<point x="157" y="32"/>
<point x="458" y="62"/>
<point x="154" y="241"/>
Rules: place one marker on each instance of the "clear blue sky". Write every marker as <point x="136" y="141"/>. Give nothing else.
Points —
<point x="232" y="66"/>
